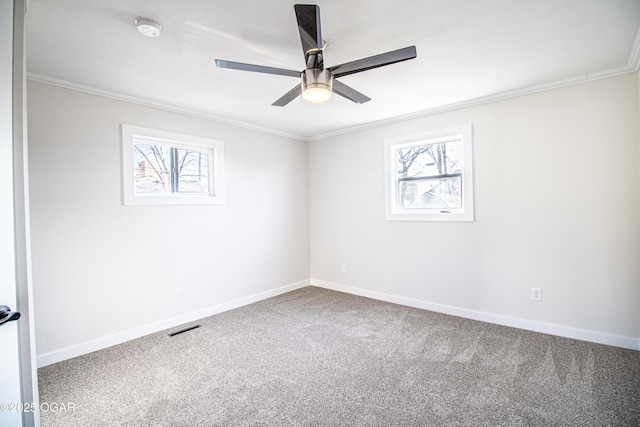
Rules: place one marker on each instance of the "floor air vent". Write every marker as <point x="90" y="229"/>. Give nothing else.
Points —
<point x="182" y="331"/>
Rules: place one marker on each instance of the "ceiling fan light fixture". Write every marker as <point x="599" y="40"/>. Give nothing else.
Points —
<point x="316" y="95"/>
<point x="148" y="28"/>
<point x="316" y="85"/>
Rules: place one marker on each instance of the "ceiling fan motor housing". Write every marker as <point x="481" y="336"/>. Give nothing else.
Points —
<point x="316" y="78"/>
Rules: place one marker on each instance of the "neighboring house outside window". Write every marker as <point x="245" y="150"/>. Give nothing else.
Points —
<point x="429" y="176"/>
<point x="162" y="167"/>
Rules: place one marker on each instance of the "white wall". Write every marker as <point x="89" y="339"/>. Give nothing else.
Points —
<point x="104" y="272"/>
<point x="557" y="187"/>
<point x="557" y="206"/>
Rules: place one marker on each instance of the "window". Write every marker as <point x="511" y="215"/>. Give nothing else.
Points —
<point x="166" y="168"/>
<point x="429" y="177"/>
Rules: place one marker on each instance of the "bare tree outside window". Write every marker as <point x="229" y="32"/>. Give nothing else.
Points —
<point x="193" y="171"/>
<point x="168" y="168"/>
<point x="430" y="175"/>
<point x="163" y="168"/>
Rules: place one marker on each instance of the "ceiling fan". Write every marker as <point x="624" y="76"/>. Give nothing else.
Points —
<point x="318" y="83"/>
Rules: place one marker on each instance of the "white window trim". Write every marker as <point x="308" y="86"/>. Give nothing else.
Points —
<point x="131" y="133"/>
<point x="393" y="213"/>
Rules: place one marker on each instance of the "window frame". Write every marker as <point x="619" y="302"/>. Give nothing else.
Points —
<point x="132" y="135"/>
<point x="393" y="212"/>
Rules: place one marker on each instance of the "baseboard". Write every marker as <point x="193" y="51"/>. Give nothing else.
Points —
<point x="558" y="330"/>
<point x="530" y="325"/>
<point x="119" y="338"/>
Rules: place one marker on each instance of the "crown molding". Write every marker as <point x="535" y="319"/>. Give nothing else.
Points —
<point x="485" y="100"/>
<point x="632" y="66"/>
<point x="41" y="78"/>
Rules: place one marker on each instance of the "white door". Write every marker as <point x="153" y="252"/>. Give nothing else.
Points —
<point x="18" y="385"/>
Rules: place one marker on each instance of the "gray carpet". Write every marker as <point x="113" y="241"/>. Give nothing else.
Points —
<point x="315" y="357"/>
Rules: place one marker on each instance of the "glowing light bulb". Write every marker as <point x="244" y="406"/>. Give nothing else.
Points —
<point x="317" y="94"/>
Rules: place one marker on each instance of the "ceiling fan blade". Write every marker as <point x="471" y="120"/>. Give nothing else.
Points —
<point x="374" y="61"/>
<point x="289" y="96"/>
<point x="256" y="68"/>
<point x="349" y="93"/>
<point x="308" y="16"/>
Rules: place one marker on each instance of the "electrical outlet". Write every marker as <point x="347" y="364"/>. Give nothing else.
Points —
<point x="344" y="268"/>
<point x="536" y="294"/>
<point x="177" y="293"/>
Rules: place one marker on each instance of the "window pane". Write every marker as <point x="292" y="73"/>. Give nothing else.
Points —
<point x="430" y="160"/>
<point x="430" y="193"/>
<point x="429" y="176"/>
<point x="152" y="165"/>
<point x="168" y="168"/>
<point x="193" y="171"/>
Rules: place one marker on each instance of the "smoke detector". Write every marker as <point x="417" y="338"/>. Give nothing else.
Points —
<point x="148" y="27"/>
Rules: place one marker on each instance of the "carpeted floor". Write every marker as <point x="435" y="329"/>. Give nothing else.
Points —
<point x="315" y="357"/>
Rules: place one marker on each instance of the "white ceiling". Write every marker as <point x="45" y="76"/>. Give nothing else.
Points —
<point x="468" y="50"/>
